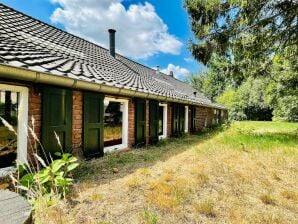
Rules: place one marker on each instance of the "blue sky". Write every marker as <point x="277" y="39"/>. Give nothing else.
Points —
<point x="167" y="19"/>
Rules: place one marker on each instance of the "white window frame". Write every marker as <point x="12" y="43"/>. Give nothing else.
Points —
<point x="124" y="144"/>
<point x="186" y="120"/>
<point x="165" y="120"/>
<point x="22" y="131"/>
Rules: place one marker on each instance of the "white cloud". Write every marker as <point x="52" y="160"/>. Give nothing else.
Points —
<point x="141" y="33"/>
<point x="189" y="60"/>
<point x="179" y="72"/>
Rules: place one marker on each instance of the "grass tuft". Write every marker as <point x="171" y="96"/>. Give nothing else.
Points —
<point x="150" y="218"/>
<point x="166" y="194"/>
<point x="290" y="195"/>
<point x="268" y="199"/>
<point x="206" y="208"/>
<point x="133" y="182"/>
<point x="96" y="197"/>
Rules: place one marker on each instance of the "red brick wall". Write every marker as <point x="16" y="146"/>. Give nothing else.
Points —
<point x="169" y="125"/>
<point x="77" y="121"/>
<point x="34" y="121"/>
<point x="201" y="114"/>
<point x="35" y="106"/>
<point x="131" y="123"/>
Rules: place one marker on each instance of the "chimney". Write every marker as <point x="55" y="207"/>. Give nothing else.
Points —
<point x="112" y="42"/>
<point x="157" y="69"/>
<point x="171" y="74"/>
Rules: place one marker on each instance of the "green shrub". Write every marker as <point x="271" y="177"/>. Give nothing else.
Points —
<point x="52" y="180"/>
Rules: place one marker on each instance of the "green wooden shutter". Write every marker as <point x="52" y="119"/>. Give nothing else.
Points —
<point x="153" y="121"/>
<point x="181" y="119"/>
<point x="93" y="124"/>
<point x="175" y="119"/>
<point x="56" y="117"/>
<point x="140" y="122"/>
<point x="193" y="119"/>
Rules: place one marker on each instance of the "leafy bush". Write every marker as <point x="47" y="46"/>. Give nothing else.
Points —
<point x="52" y="180"/>
<point x="248" y="102"/>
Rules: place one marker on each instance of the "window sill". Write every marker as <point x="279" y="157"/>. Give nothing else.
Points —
<point x="4" y="172"/>
<point x="115" y="148"/>
<point x="162" y="137"/>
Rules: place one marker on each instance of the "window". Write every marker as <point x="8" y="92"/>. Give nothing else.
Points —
<point x="115" y="124"/>
<point x="162" y="120"/>
<point x="14" y="109"/>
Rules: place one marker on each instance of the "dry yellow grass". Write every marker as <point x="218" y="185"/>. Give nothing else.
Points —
<point x="207" y="180"/>
<point x="206" y="208"/>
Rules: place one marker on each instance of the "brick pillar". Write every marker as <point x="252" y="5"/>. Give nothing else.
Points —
<point x="147" y="122"/>
<point x="77" y="121"/>
<point x="34" y="121"/>
<point x="131" y="123"/>
<point x="170" y="120"/>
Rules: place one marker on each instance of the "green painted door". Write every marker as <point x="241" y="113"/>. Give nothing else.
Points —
<point x="93" y="124"/>
<point x="153" y="121"/>
<point x="56" y="118"/>
<point x="181" y="119"/>
<point x="140" y="122"/>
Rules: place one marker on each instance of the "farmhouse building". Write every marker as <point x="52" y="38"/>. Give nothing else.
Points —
<point x="93" y="99"/>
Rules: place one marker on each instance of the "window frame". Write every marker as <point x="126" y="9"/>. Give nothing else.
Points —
<point x="22" y="131"/>
<point x="165" y="120"/>
<point x="124" y="143"/>
<point x="186" y="120"/>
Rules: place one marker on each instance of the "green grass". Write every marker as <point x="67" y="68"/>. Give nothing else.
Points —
<point x="242" y="173"/>
<point x="250" y="135"/>
<point x="261" y="135"/>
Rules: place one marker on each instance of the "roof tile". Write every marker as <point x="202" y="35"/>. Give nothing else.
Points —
<point x="27" y="42"/>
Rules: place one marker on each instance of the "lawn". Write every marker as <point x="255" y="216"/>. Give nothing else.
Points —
<point x="247" y="173"/>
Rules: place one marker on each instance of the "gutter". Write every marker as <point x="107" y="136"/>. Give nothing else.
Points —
<point x="24" y="74"/>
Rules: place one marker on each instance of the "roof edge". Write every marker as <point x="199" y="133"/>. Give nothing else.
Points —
<point x="24" y="74"/>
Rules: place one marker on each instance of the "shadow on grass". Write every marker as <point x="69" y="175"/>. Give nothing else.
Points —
<point x="99" y="170"/>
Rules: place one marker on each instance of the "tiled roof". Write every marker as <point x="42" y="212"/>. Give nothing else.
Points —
<point x="29" y="43"/>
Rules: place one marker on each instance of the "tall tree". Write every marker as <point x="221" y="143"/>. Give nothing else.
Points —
<point x="247" y="32"/>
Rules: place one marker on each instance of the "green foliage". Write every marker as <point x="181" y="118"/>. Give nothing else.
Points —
<point x="283" y="90"/>
<point x="52" y="180"/>
<point x="248" y="102"/>
<point x="256" y="28"/>
<point x="286" y="108"/>
<point x="240" y="41"/>
<point x="231" y="100"/>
